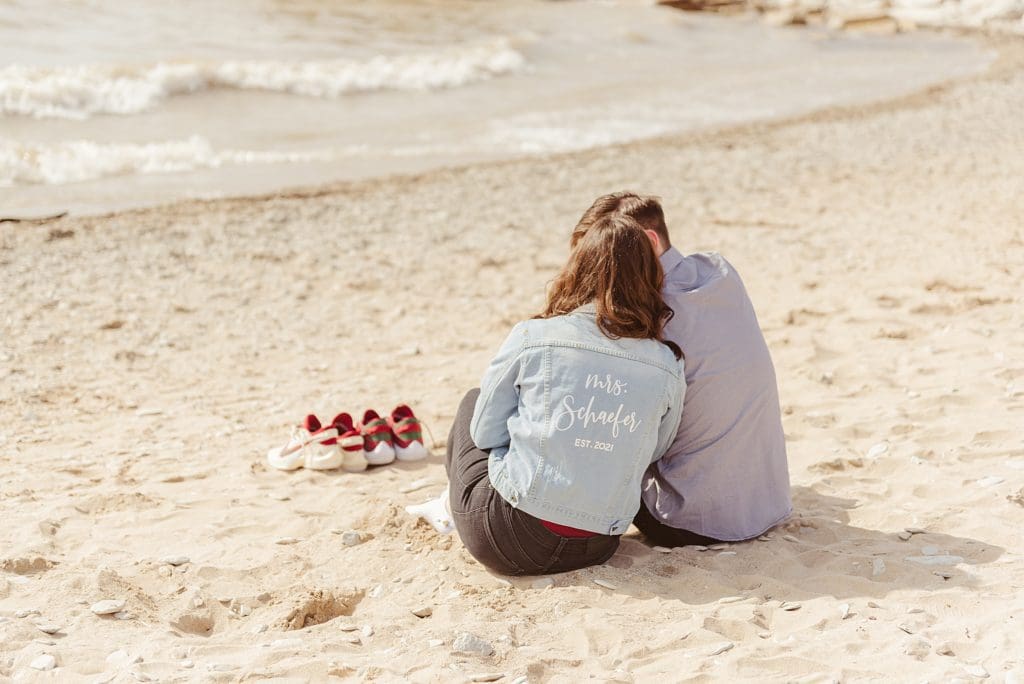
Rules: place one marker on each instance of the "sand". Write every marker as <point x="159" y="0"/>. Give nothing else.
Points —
<point x="150" y="358"/>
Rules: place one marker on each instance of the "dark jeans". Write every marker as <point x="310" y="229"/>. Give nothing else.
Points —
<point x="660" y="534"/>
<point x="502" y="537"/>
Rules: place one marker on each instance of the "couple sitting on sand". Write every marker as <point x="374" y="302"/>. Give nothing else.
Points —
<point x="580" y="428"/>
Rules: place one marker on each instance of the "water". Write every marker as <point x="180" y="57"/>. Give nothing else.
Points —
<point x="107" y="104"/>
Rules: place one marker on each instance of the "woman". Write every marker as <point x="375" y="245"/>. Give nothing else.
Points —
<point x="545" y="459"/>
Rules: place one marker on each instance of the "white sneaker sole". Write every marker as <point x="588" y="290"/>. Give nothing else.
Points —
<point x="354" y="462"/>
<point x="414" y="452"/>
<point x="323" y="457"/>
<point x="277" y="458"/>
<point x="382" y="455"/>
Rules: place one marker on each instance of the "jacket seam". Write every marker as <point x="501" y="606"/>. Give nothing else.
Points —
<point x="636" y="457"/>
<point x="674" y="370"/>
<point x="541" y="457"/>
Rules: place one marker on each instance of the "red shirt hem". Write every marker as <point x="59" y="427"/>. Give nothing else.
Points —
<point x="566" y="531"/>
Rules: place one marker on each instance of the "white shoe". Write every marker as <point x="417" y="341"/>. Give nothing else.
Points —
<point x="324" y="455"/>
<point x="350" y="443"/>
<point x="310" y="445"/>
<point x="378" y="437"/>
<point x="408" y="434"/>
<point x="382" y="454"/>
<point x="352" y="451"/>
<point x="414" y="452"/>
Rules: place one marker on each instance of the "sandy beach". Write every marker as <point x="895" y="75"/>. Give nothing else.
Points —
<point x="150" y="358"/>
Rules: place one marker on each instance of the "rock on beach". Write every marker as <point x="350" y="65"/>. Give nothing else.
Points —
<point x="470" y="644"/>
<point x="107" y="607"/>
<point x="43" y="662"/>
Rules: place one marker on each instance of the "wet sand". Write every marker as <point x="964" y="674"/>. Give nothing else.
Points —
<point x="251" y="106"/>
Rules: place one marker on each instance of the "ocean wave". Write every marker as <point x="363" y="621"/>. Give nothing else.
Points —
<point x="83" y="160"/>
<point x="576" y="129"/>
<point x="80" y="91"/>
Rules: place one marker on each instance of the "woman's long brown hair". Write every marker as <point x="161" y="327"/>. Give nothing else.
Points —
<point x="613" y="265"/>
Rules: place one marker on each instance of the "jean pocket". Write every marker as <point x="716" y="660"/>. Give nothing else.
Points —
<point x="471" y="498"/>
<point x="505" y="565"/>
<point x="536" y="530"/>
<point x="584" y="553"/>
<point x="468" y="477"/>
<point x="538" y="546"/>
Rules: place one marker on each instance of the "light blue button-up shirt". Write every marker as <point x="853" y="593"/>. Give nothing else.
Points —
<point x="725" y="475"/>
<point x="572" y="420"/>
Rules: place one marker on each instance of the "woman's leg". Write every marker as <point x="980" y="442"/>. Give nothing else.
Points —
<point x="498" y="535"/>
<point x="660" y="534"/>
<point x="464" y="463"/>
<point x="534" y="549"/>
<point x="470" y="493"/>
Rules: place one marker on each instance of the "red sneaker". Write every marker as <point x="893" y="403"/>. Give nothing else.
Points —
<point x="351" y="443"/>
<point x="378" y="442"/>
<point x="408" y="431"/>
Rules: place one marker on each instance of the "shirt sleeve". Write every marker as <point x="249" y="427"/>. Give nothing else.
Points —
<point x="499" y="393"/>
<point x="670" y="421"/>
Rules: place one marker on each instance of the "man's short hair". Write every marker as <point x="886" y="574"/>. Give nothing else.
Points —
<point x="644" y="209"/>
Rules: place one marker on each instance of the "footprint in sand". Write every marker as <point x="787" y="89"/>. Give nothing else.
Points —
<point x="26" y="566"/>
<point x="316" y="607"/>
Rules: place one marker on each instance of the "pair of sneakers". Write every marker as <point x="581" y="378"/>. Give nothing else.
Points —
<point x="400" y="436"/>
<point x="351" y="447"/>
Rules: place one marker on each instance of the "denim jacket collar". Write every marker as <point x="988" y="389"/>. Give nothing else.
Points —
<point x="588" y="308"/>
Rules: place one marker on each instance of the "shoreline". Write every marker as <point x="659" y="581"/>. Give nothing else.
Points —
<point x="1008" y="55"/>
<point x="105" y="195"/>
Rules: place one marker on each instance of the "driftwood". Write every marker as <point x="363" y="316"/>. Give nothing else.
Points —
<point x="34" y="220"/>
<point x="705" y="5"/>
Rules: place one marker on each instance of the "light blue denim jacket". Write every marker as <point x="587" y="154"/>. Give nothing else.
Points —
<point x="573" y="419"/>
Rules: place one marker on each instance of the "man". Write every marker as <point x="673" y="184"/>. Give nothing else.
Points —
<point x="725" y="477"/>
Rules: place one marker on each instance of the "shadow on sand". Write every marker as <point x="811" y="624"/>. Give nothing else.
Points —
<point x="816" y="553"/>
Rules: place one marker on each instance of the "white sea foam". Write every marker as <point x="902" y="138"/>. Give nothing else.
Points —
<point x="80" y="91"/>
<point x="82" y="160"/>
<point x="579" y="128"/>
